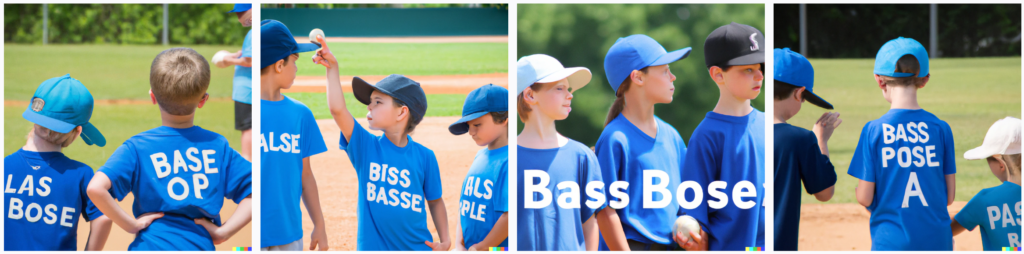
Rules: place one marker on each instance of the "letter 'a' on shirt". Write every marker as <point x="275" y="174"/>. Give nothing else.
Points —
<point x="798" y="159"/>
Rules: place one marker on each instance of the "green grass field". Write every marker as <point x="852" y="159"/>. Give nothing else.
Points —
<point x="968" y="93"/>
<point x="412" y="59"/>
<point x="437" y="104"/>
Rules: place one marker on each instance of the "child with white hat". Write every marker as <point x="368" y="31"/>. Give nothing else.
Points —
<point x="996" y="209"/>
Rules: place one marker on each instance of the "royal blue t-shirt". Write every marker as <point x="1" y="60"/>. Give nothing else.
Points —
<point x="44" y="193"/>
<point x="184" y="173"/>
<point x="997" y="210"/>
<point x="395" y="184"/>
<point x="907" y="153"/>
<point x="242" y="82"/>
<point x="626" y="153"/>
<point x="797" y="158"/>
<point x="484" y="195"/>
<point x="728" y="149"/>
<point x="288" y="135"/>
<point x="558" y="225"/>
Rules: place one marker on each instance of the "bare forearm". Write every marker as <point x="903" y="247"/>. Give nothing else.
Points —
<point x="440" y="216"/>
<point x="865" y="193"/>
<point x="823" y="146"/>
<point x="591" y="234"/>
<point x="241" y="217"/>
<point x="611" y="229"/>
<point x="498" y="233"/>
<point x="99" y="230"/>
<point x="950" y="188"/>
<point x="336" y="103"/>
<point x="311" y="197"/>
<point x="99" y="194"/>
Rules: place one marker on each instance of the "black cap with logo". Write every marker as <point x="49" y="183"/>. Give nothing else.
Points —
<point x="734" y="44"/>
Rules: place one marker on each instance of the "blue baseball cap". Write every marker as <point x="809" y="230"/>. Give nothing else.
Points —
<point x="541" y="68"/>
<point x="241" y="8"/>
<point x="401" y="88"/>
<point x="794" y="69"/>
<point x="885" y="61"/>
<point x="479" y="102"/>
<point x="636" y="52"/>
<point x="61" y="104"/>
<point x="278" y="43"/>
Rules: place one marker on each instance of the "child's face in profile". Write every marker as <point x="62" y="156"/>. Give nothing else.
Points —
<point x="287" y="76"/>
<point x="484" y="131"/>
<point x="554" y="99"/>
<point x="382" y="111"/>
<point x="744" y="81"/>
<point x="245" y="18"/>
<point x="658" y="84"/>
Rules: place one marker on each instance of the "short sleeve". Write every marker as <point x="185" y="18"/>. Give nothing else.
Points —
<point x="969" y="216"/>
<point x="247" y="45"/>
<point x="862" y="166"/>
<point x="313" y="141"/>
<point x="121" y="169"/>
<point x="432" y="179"/>
<point x="612" y="157"/>
<point x="239" y="173"/>
<point x="90" y="211"/>
<point x="590" y="171"/>
<point x="700" y="166"/>
<point x="360" y="138"/>
<point x="949" y="162"/>
<point x="816" y="169"/>
<point x="501" y="204"/>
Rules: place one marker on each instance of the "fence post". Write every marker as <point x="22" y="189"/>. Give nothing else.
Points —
<point x="46" y="22"/>
<point x="933" y="32"/>
<point x="803" y="30"/>
<point x="165" y="25"/>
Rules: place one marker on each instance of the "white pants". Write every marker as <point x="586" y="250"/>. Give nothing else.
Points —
<point x="294" y="246"/>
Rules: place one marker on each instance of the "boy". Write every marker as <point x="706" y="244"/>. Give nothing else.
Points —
<point x="401" y="177"/>
<point x="288" y="138"/>
<point x="483" y="210"/>
<point x="799" y="154"/>
<point x="51" y="183"/>
<point x="905" y="159"/>
<point x="179" y="173"/>
<point x="242" y="91"/>
<point x="996" y="209"/>
<point x="728" y="146"/>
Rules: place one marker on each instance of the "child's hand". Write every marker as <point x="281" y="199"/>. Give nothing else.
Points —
<point x="825" y="125"/>
<point x="698" y="243"/>
<point x="237" y="59"/>
<point x="215" y="232"/>
<point x="474" y="248"/>
<point x="318" y="237"/>
<point x="440" y="246"/>
<point x="323" y="55"/>
<point x="142" y="222"/>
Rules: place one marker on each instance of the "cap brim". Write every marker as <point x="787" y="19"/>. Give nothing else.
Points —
<point x="45" y="121"/>
<point x="461" y="126"/>
<point x="362" y="90"/>
<point x="92" y="136"/>
<point x="979" y="153"/>
<point x="578" y="77"/>
<point x="306" y="47"/>
<point x="754" y="58"/>
<point x="672" y="57"/>
<point x="816" y="100"/>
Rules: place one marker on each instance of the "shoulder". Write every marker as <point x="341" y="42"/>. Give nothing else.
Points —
<point x="667" y="128"/>
<point x="65" y="163"/>
<point x="612" y="134"/>
<point x="792" y="132"/>
<point x="420" y="149"/>
<point x="579" y="148"/>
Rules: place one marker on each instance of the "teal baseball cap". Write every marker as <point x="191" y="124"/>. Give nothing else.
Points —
<point x="61" y="104"/>
<point x="892" y="51"/>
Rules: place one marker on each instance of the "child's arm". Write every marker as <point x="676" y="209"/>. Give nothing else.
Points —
<point x="459" y="244"/>
<point x="99" y="194"/>
<point x="99" y="230"/>
<point x="957" y="228"/>
<point x="950" y="188"/>
<point x="440" y="216"/>
<point x="238" y="220"/>
<point x="335" y="96"/>
<point x="826" y="194"/>
<point x="237" y="59"/>
<point x="591" y="234"/>
<point x="610" y="226"/>
<point x="311" y="197"/>
<point x="497" y="235"/>
<point x="824" y="128"/>
<point x="865" y="193"/>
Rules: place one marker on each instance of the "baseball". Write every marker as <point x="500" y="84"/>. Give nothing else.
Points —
<point x="686" y="224"/>
<point x="314" y="33"/>
<point x="218" y="59"/>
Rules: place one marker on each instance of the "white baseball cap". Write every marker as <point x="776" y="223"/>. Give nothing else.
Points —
<point x="1002" y="138"/>
<point x="541" y="68"/>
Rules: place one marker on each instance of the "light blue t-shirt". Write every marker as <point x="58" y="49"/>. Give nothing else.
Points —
<point x="557" y="226"/>
<point x="997" y="210"/>
<point x="907" y="153"/>
<point x="287" y="135"/>
<point x="626" y="153"/>
<point x="484" y="195"/>
<point x="44" y="193"/>
<point x="242" y="83"/>
<point x="184" y="173"/>
<point x="728" y="149"/>
<point x="395" y="184"/>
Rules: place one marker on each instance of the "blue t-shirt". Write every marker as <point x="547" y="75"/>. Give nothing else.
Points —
<point x="728" y="149"/>
<point x="395" y="184"/>
<point x="288" y="135"/>
<point x="558" y="224"/>
<point x="184" y="173"/>
<point x="997" y="210"/>
<point x="484" y="195"/>
<point x="44" y="193"/>
<point x="907" y="154"/>
<point x="797" y="157"/>
<point x="626" y="153"/>
<point x="242" y="82"/>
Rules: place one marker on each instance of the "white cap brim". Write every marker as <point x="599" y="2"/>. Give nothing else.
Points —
<point x="578" y="77"/>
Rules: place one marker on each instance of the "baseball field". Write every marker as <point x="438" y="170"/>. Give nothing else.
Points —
<point x="118" y="78"/>
<point x="968" y="93"/>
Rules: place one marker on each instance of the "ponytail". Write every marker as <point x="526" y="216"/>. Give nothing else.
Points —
<point x="620" y="100"/>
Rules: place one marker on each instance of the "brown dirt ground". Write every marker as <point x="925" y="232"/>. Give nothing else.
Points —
<point x="437" y="39"/>
<point x="845" y="227"/>
<point x="120" y="239"/>
<point x="337" y="182"/>
<point x="439" y="84"/>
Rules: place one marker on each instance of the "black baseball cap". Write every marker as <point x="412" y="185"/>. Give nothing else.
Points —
<point x="734" y="44"/>
<point x="397" y="86"/>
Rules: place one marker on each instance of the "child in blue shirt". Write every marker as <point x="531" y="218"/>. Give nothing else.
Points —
<point x="483" y="209"/>
<point x="179" y="173"/>
<point x="288" y="138"/>
<point x="45" y="191"/>
<point x="905" y="159"/>
<point x="800" y="154"/>
<point x="636" y="144"/>
<point x="241" y="91"/>
<point x="399" y="179"/>
<point x="726" y="150"/>
<point x="996" y="209"/>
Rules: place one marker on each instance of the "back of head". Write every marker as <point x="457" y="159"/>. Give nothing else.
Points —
<point x="906" y="64"/>
<point x="179" y="78"/>
<point x="53" y="137"/>
<point x="902" y="62"/>
<point x="1012" y="163"/>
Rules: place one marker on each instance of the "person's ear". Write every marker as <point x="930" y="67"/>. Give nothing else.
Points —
<point x="799" y="94"/>
<point x="528" y="96"/>
<point x="152" y="97"/>
<point x="881" y="83"/>
<point x="636" y="77"/>
<point x="717" y="75"/>
<point x="203" y="100"/>
<point x="924" y="81"/>
<point x="402" y="113"/>
<point x="279" y="65"/>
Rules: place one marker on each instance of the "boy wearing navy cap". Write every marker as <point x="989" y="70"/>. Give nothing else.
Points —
<point x="399" y="179"/>
<point x="905" y="160"/>
<point x="483" y="208"/>
<point x="51" y="183"/>
<point x="242" y="81"/>
<point x="288" y="138"/>
<point x="728" y="145"/>
<point x="800" y="154"/>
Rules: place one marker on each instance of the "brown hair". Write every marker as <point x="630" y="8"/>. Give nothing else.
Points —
<point x="906" y="64"/>
<point x="524" y="109"/>
<point x="265" y="70"/>
<point x="784" y="90"/>
<point x="498" y="117"/>
<point x="179" y="78"/>
<point x="56" y="138"/>
<point x="620" y="101"/>
<point x="414" y="119"/>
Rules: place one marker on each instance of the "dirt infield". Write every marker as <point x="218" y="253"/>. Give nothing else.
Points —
<point x="120" y="239"/>
<point x="845" y="227"/>
<point x="435" y="39"/>
<point x="439" y="84"/>
<point x="337" y="182"/>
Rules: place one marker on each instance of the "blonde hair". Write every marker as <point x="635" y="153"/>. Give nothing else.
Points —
<point x="1012" y="163"/>
<point x="53" y="137"/>
<point x="179" y="78"/>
